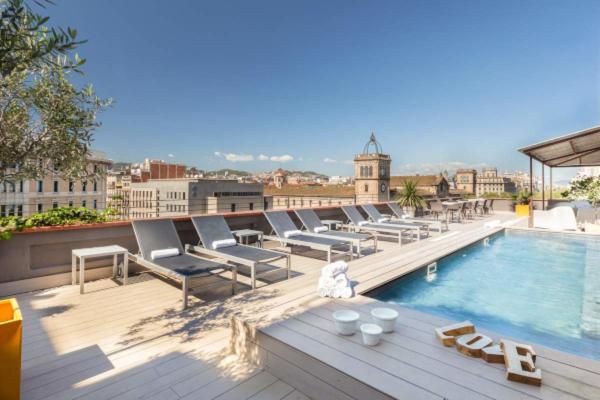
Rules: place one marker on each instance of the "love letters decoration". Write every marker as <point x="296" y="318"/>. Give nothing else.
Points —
<point x="519" y="359"/>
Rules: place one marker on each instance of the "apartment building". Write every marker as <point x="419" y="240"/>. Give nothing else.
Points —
<point x="468" y="181"/>
<point x="185" y="196"/>
<point x="27" y="197"/>
<point x="119" y="182"/>
<point x="299" y="196"/>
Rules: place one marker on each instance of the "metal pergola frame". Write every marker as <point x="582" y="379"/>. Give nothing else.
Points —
<point x="578" y="149"/>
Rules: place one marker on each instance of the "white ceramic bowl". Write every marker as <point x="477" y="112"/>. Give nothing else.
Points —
<point x="385" y="318"/>
<point x="345" y="321"/>
<point x="371" y="334"/>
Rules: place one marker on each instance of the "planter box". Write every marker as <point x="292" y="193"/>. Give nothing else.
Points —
<point x="522" y="210"/>
<point x="10" y="349"/>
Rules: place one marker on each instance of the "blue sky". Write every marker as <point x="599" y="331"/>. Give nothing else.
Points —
<point x="442" y="83"/>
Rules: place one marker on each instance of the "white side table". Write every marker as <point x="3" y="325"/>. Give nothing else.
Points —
<point x="246" y="234"/>
<point x="332" y="224"/>
<point x="96" y="252"/>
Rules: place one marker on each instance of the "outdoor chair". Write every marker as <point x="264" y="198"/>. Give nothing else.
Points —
<point x="160" y="251"/>
<point x="218" y="241"/>
<point x="310" y="220"/>
<point x="287" y="233"/>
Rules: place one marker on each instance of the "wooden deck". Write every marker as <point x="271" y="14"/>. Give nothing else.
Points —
<point x="130" y="342"/>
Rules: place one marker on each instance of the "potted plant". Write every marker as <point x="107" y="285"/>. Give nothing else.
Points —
<point x="522" y="204"/>
<point x="409" y="198"/>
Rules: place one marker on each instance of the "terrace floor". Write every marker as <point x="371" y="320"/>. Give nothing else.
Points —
<point x="129" y="342"/>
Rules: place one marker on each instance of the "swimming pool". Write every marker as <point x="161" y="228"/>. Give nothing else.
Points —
<point x="539" y="287"/>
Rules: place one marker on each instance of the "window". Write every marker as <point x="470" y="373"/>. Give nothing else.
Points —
<point x="183" y="194"/>
<point x="84" y="186"/>
<point x="95" y="186"/>
<point x="95" y="204"/>
<point x="70" y="203"/>
<point x="366" y="188"/>
<point x="232" y="207"/>
<point x="11" y="210"/>
<point x="20" y="210"/>
<point x="55" y="187"/>
<point x="71" y="186"/>
<point x="40" y="187"/>
<point x="83" y="203"/>
<point x="251" y="206"/>
<point x="40" y="207"/>
<point x="54" y="204"/>
<point x="20" y="186"/>
<point x="2" y="210"/>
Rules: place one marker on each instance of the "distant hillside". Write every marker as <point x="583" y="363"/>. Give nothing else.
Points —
<point x="228" y="171"/>
<point x="120" y="165"/>
<point x="306" y="173"/>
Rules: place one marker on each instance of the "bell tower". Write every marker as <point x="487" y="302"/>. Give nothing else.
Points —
<point x="372" y="173"/>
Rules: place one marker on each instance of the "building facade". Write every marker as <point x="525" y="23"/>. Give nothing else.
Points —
<point x="187" y="196"/>
<point x="427" y="185"/>
<point x="372" y="174"/>
<point x="28" y="197"/>
<point x="465" y="180"/>
<point x="300" y="196"/>
<point x="468" y="181"/>
<point x="490" y="182"/>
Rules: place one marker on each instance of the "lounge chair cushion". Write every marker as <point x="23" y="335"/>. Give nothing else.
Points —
<point x="164" y="253"/>
<point x="189" y="265"/>
<point x="223" y="243"/>
<point x="321" y="229"/>
<point x="250" y="253"/>
<point x="381" y="220"/>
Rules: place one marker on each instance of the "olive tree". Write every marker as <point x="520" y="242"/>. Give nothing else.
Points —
<point x="46" y="121"/>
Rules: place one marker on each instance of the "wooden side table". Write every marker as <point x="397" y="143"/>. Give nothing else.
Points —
<point x="97" y="252"/>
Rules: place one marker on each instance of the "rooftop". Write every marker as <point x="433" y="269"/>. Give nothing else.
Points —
<point x="311" y="190"/>
<point x="277" y="342"/>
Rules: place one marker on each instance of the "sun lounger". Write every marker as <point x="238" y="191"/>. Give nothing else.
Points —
<point x="399" y="214"/>
<point x="558" y="219"/>
<point x="378" y="218"/>
<point x="218" y="241"/>
<point x="360" y="224"/>
<point x="161" y="252"/>
<point x="310" y="220"/>
<point x="287" y="233"/>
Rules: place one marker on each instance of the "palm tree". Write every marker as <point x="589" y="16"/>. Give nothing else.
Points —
<point x="409" y="197"/>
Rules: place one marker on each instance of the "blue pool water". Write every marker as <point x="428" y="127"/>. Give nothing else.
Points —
<point x="541" y="288"/>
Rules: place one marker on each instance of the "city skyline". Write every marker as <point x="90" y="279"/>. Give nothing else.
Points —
<point x="250" y="86"/>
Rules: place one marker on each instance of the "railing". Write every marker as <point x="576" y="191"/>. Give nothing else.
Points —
<point x="41" y="257"/>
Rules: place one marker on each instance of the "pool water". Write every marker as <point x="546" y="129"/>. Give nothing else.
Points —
<point x="538" y="287"/>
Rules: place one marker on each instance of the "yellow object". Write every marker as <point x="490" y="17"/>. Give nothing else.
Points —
<point x="11" y="332"/>
<point x="522" y="210"/>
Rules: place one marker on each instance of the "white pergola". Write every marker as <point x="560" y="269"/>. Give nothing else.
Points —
<point x="579" y="149"/>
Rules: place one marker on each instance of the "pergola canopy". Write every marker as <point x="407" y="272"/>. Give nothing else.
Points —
<point x="579" y="149"/>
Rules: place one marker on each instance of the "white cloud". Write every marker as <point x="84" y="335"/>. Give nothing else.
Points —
<point x="233" y="157"/>
<point x="329" y="160"/>
<point x="171" y="155"/>
<point x="263" y="157"/>
<point x="348" y="162"/>
<point x="282" y="159"/>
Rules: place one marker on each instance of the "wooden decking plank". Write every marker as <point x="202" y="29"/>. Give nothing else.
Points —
<point x="275" y="391"/>
<point x="372" y="361"/>
<point x="384" y="380"/>
<point x="426" y="344"/>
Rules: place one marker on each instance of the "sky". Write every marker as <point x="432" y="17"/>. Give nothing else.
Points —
<point x="257" y="85"/>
